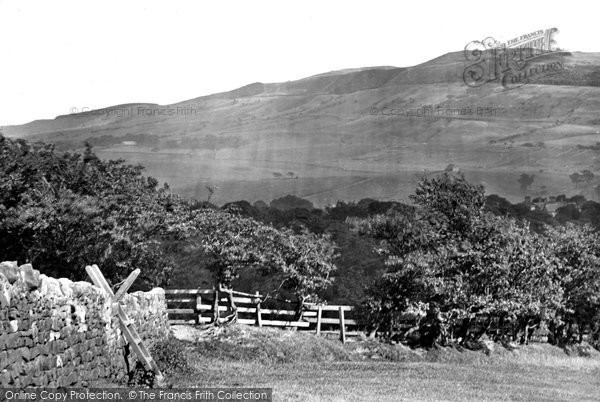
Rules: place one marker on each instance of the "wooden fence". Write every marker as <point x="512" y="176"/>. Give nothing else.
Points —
<point x="197" y="306"/>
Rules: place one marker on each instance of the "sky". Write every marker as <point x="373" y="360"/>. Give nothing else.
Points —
<point x="57" y="56"/>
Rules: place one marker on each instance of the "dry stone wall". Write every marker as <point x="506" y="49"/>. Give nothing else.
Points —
<point x="58" y="333"/>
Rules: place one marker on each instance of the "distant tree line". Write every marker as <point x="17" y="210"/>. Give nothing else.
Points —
<point x="208" y="142"/>
<point x="577" y="210"/>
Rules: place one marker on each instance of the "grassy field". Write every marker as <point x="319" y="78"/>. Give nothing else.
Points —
<point x="393" y="381"/>
<point x="302" y="367"/>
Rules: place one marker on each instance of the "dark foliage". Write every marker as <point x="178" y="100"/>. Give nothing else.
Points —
<point x="63" y="212"/>
<point x="291" y="202"/>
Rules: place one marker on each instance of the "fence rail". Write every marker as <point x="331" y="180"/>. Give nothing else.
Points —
<point x="197" y="306"/>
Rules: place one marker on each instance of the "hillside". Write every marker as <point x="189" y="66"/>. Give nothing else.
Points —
<point x="347" y="135"/>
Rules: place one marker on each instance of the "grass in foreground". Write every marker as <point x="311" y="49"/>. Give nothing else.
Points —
<point x="302" y="367"/>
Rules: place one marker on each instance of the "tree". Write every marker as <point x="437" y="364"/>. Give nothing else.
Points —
<point x="291" y="202"/>
<point x="302" y="262"/>
<point x="63" y="212"/>
<point x="587" y="177"/>
<point x="576" y="178"/>
<point x="525" y="181"/>
<point x="451" y="201"/>
<point x="211" y="192"/>
<point x="578" y="248"/>
<point x="453" y="259"/>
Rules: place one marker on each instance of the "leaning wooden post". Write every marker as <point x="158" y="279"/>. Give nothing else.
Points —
<point x="258" y="312"/>
<point x="342" y="326"/>
<point x="319" y="315"/>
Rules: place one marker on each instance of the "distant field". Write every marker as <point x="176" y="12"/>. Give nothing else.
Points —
<point x="324" y="182"/>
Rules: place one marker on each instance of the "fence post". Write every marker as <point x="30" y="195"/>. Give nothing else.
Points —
<point x="215" y="310"/>
<point x="258" y="312"/>
<point x="319" y="314"/>
<point x="198" y="311"/>
<point x="342" y="326"/>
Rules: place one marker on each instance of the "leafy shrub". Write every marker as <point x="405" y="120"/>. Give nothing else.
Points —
<point x="171" y="356"/>
<point x="62" y="212"/>
<point x="463" y="262"/>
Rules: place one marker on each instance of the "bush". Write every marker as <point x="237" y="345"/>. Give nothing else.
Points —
<point x="171" y="356"/>
<point x="464" y="264"/>
<point x="62" y="212"/>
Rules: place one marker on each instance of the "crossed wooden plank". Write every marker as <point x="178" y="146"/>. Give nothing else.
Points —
<point x="127" y="327"/>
